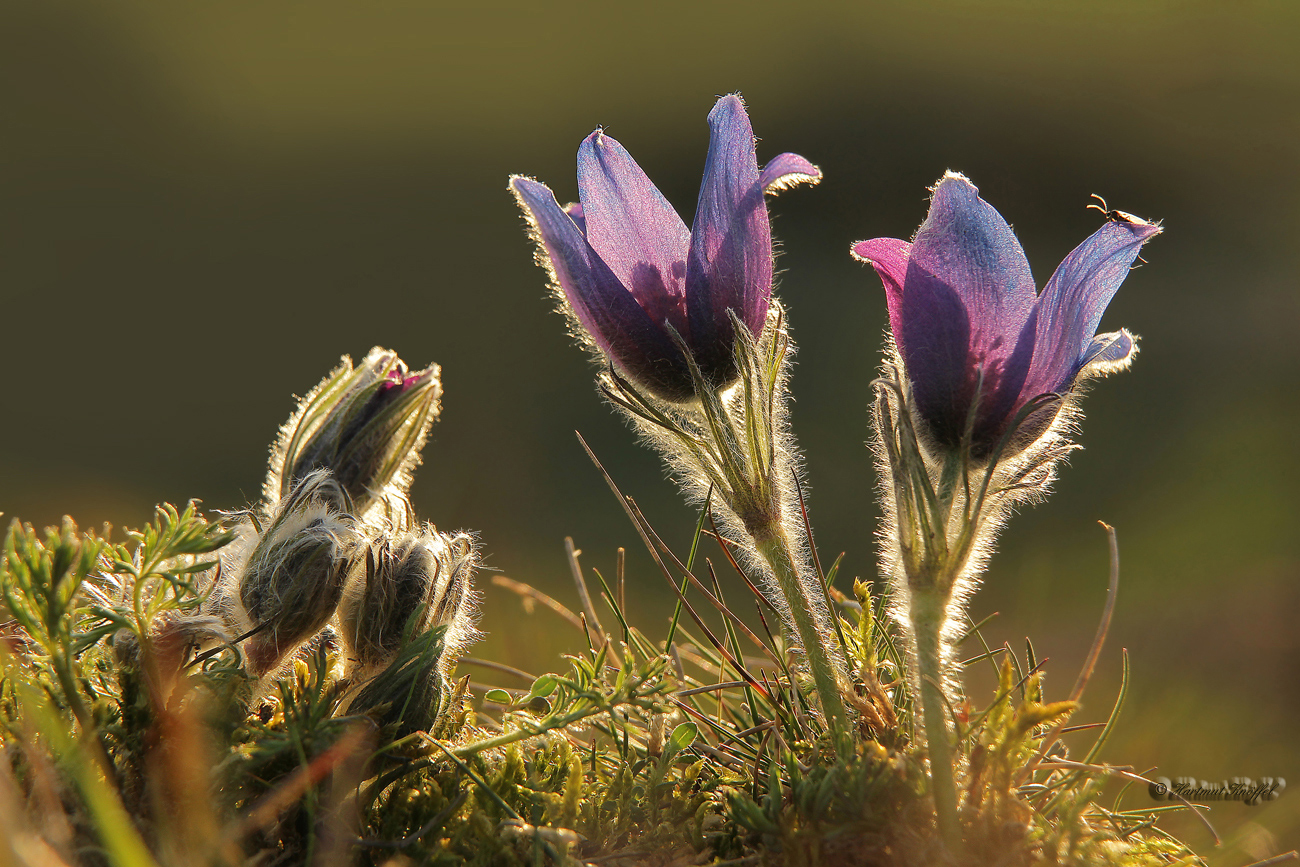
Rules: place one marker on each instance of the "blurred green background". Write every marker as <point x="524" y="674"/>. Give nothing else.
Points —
<point x="202" y="205"/>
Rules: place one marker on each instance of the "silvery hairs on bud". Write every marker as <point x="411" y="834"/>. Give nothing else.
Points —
<point x="293" y="577"/>
<point x="367" y="425"/>
<point x="409" y="583"/>
<point x="171" y="635"/>
<point x="983" y="375"/>
<point x="404" y="622"/>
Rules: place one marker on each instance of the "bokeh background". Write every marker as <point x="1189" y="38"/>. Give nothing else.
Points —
<point x="202" y="205"/>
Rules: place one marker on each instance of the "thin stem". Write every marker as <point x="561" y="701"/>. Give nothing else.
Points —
<point x="528" y="730"/>
<point x="776" y="550"/>
<point x="927" y="610"/>
<point x="62" y="666"/>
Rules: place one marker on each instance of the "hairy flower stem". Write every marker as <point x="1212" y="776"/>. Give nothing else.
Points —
<point x="927" y="612"/>
<point x="773" y="546"/>
<point x="732" y="446"/>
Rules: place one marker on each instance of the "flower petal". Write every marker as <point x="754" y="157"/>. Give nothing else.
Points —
<point x="730" y="263"/>
<point x="1071" y="305"/>
<point x="889" y="257"/>
<point x="964" y="323"/>
<point x="603" y="306"/>
<point x="1109" y="352"/>
<point x="787" y="170"/>
<point x="966" y="244"/>
<point x="574" y="210"/>
<point x="633" y="228"/>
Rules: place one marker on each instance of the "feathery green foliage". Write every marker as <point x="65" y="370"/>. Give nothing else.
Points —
<point x="128" y="746"/>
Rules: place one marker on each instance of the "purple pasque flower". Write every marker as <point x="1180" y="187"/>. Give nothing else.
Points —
<point x="632" y="273"/>
<point x="978" y="343"/>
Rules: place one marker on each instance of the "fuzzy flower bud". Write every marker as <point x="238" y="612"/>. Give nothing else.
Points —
<point x="365" y="424"/>
<point x="294" y="575"/>
<point x="403" y="624"/>
<point x="419" y="580"/>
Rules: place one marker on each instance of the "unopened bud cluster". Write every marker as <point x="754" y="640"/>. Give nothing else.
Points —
<point x="333" y="545"/>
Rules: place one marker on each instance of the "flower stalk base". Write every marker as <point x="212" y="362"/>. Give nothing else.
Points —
<point x="775" y="549"/>
<point x="731" y="448"/>
<point x="927" y="612"/>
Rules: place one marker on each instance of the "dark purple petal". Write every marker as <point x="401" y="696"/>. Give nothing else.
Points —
<point x="633" y="228"/>
<point x="1071" y="305"/>
<point x="603" y="306"/>
<point x="1109" y="349"/>
<point x="730" y="264"/>
<point x="889" y="257"/>
<point x="787" y="170"/>
<point x="574" y="210"/>
<point x="404" y="380"/>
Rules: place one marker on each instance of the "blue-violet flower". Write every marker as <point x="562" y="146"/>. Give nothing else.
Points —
<point x="633" y="274"/>
<point x="978" y="344"/>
